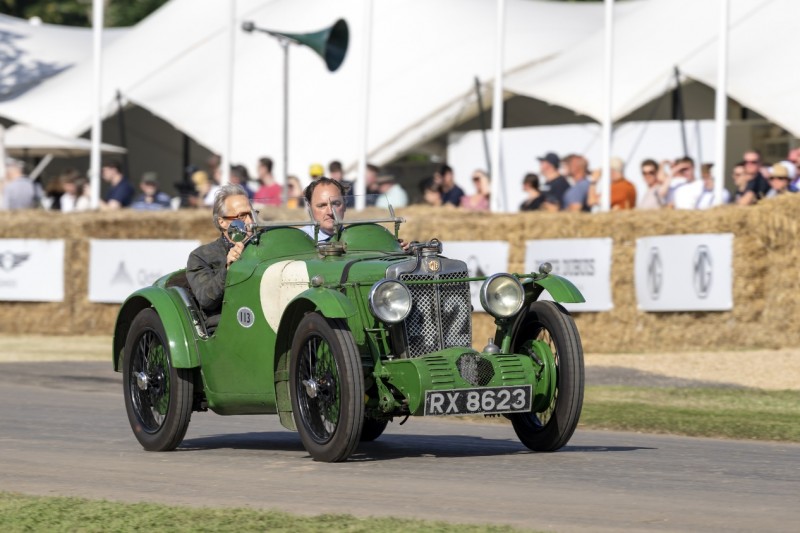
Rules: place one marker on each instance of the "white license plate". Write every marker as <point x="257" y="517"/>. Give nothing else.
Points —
<point x="478" y="401"/>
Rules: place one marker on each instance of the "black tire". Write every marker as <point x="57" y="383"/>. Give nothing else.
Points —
<point x="550" y="429"/>
<point x="158" y="397"/>
<point x="327" y="388"/>
<point x="372" y="429"/>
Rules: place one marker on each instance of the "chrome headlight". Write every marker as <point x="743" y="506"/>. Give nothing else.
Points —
<point x="390" y="301"/>
<point x="502" y="295"/>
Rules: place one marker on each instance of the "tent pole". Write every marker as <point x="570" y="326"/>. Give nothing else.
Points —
<point x="608" y="64"/>
<point x="361" y="179"/>
<point x="97" y="77"/>
<point x="678" y="110"/>
<point x="2" y="157"/>
<point x="34" y="175"/>
<point x="122" y="139"/>
<point x="497" y="199"/>
<point x="699" y="140"/>
<point x="187" y="158"/>
<point x="285" y="45"/>
<point x="225" y="160"/>
<point x="482" y="121"/>
<point x="721" y="103"/>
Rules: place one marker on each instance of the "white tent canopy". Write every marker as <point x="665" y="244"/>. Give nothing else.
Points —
<point x="425" y="56"/>
<point x="27" y="141"/>
<point x="655" y="36"/>
<point x="31" y="53"/>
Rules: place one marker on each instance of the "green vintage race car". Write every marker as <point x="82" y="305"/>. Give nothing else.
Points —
<point x="338" y="338"/>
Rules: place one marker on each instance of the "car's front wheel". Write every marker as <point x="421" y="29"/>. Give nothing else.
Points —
<point x="327" y="388"/>
<point x="551" y="428"/>
<point x="158" y="397"/>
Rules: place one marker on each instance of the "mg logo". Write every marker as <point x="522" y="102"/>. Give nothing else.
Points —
<point x="703" y="271"/>
<point x="655" y="273"/>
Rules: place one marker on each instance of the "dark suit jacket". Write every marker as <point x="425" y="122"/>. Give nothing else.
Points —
<point x="206" y="271"/>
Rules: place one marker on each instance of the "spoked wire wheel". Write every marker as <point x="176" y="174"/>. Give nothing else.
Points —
<point x="552" y="427"/>
<point x="158" y="397"/>
<point x="319" y="377"/>
<point x="327" y="388"/>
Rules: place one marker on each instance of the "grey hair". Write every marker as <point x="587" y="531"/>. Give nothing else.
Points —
<point x="222" y="194"/>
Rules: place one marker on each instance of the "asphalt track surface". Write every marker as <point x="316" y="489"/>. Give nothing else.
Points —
<point x="63" y="431"/>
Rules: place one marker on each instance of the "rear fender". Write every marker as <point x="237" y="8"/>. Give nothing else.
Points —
<point x="329" y="303"/>
<point x="172" y="314"/>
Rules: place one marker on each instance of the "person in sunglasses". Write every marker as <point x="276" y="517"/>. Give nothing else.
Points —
<point x="757" y="185"/>
<point x="208" y="265"/>
<point x="679" y="186"/>
<point x="650" y="175"/>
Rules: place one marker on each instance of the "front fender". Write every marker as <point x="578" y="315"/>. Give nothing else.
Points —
<point x="170" y="309"/>
<point x="561" y="289"/>
<point x="331" y="303"/>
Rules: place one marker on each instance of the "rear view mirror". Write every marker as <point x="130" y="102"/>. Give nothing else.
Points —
<point x="237" y="231"/>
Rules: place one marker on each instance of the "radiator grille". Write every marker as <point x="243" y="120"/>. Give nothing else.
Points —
<point x="441" y="314"/>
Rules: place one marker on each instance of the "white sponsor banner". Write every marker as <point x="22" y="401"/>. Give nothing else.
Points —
<point x="118" y="267"/>
<point x="483" y="258"/>
<point x="685" y="272"/>
<point x="32" y="270"/>
<point x="584" y="262"/>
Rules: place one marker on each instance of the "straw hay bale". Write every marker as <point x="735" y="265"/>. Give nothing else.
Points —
<point x="765" y="259"/>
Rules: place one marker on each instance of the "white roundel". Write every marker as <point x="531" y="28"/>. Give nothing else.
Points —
<point x="245" y="317"/>
<point x="280" y="284"/>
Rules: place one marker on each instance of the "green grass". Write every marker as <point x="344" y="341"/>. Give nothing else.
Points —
<point x="725" y="413"/>
<point x="37" y="513"/>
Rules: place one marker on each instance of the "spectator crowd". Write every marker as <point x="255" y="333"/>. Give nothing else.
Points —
<point x="561" y="184"/>
<point x="568" y="184"/>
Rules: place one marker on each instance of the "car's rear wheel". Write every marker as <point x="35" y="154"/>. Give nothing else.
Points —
<point x="551" y="428"/>
<point x="327" y="388"/>
<point x="158" y="397"/>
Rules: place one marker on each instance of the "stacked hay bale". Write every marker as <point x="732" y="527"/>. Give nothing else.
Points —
<point x="764" y="257"/>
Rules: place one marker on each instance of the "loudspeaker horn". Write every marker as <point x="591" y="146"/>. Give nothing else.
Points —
<point x="330" y="43"/>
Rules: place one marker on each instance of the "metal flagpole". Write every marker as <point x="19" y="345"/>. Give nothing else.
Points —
<point x="97" y="78"/>
<point x="721" y="103"/>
